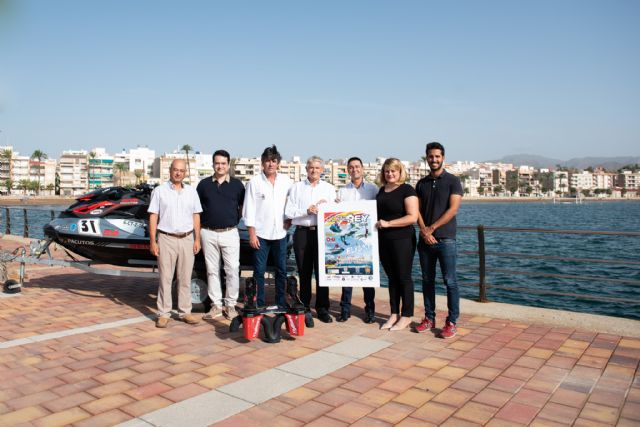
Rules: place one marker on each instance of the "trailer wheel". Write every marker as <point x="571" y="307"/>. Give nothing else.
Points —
<point x="200" y="301"/>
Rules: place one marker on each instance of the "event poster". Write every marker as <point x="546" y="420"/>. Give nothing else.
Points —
<point x="348" y="244"/>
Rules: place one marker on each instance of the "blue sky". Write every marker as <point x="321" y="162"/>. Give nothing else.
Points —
<point x="332" y="78"/>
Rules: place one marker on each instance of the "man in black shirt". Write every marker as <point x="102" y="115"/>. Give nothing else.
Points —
<point x="440" y="194"/>
<point x="221" y="197"/>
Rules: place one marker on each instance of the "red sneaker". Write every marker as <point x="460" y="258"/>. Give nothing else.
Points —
<point x="449" y="330"/>
<point x="425" y="325"/>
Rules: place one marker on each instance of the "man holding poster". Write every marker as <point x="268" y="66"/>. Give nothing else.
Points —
<point x="357" y="189"/>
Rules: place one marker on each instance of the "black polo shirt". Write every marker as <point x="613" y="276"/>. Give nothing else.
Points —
<point x="221" y="203"/>
<point x="434" y="194"/>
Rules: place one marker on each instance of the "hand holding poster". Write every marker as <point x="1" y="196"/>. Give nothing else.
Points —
<point x="348" y="244"/>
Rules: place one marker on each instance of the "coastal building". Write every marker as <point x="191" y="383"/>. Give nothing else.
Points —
<point x="73" y="170"/>
<point x="561" y="182"/>
<point x="100" y="169"/>
<point x="162" y="164"/>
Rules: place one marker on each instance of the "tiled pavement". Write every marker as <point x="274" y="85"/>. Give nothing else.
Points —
<point x="494" y="372"/>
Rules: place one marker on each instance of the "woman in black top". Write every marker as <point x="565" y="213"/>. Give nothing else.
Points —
<point x="397" y="204"/>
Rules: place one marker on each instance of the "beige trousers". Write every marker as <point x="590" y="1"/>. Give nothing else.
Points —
<point x="175" y="254"/>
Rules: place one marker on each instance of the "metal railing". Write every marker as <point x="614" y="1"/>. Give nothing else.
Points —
<point x="25" y="218"/>
<point x="482" y="254"/>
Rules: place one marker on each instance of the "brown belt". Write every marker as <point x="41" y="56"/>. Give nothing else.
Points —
<point x="178" y="235"/>
<point x="218" y="230"/>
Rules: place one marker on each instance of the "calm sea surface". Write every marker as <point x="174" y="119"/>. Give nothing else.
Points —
<point x="598" y="216"/>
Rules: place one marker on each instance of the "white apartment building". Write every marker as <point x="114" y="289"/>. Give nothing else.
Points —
<point x="628" y="180"/>
<point x="100" y="169"/>
<point x="561" y="181"/>
<point x="581" y="181"/>
<point x="74" y="172"/>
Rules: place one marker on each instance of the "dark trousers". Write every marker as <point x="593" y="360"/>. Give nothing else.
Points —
<point x="396" y="256"/>
<point x="305" y="247"/>
<point x="278" y="249"/>
<point x="369" y="299"/>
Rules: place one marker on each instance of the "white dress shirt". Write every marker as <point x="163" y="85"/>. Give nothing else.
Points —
<point x="303" y="195"/>
<point x="350" y="192"/>
<point x="175" y="208"/>
<point x="264" y="204"/>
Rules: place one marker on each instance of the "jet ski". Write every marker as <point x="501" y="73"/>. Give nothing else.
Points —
<point x="110" y="225"/>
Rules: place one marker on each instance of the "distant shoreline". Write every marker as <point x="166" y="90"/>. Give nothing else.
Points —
<point x="67" y="200"/>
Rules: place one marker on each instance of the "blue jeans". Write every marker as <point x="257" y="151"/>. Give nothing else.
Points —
<point x="445" y="251"/>
<point x="278" y="250"/>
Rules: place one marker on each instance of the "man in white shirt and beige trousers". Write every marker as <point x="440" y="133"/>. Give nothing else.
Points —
<point x="174" y="233"/>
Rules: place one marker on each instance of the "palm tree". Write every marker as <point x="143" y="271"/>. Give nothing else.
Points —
<point x="40" y="156"/>
<point x="92" y="155"/>
<point x="186" y="148"/>
<point x="120" y="168"/>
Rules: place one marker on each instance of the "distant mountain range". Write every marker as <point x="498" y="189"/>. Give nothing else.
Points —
<point x="609" y="163"/>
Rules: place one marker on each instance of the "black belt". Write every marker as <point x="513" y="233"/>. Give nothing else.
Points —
<point x="219" y="230"/>
<point x="304" y="227"/>
<point x="178" y="235"/>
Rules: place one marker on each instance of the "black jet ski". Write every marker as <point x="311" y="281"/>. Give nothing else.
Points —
<point x="110" y="225"/>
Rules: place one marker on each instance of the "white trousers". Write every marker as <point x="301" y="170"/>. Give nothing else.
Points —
<point x="225" y="246"/>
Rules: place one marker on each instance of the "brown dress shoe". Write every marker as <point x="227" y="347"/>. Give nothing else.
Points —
<point x="190" y="319"/>
<point x="161" y="322"/>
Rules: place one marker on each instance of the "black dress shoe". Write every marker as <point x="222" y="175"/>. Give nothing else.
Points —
<point x="369" y="318"/>
<point x="324" y="316"/>
<point x="343" y="317"/>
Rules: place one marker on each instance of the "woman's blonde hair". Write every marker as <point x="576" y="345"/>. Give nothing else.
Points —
<point x="392" y="163"/>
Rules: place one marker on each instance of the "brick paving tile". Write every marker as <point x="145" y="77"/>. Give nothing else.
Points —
<point x="22" y="416"/>
<point x="104" y="419"/>
<point x="417" y="373"/>
<point x="492" y="397"/>
<point x="299" y="396"/>
<point x="519" y="373"/>
<point x="328" y="382"/>
<point x="376" y="397"/>
<point x="149" y="366"/>
<point x="625" y="422"/>
<point x="613" y="398"/>
<point x="453" y="397"/>
<point x="183" y="379"/>
<point x="69" y="401"/>
<point x="148" y="377"/>
<point x="349" y="372"/>
<point x="569" y="397"/>
<point x="392" y="412"/>
<point x="148" y="390"/>
<point x="600" y="413"/>
<point x="63" y="418"/>
<point x="111" y="388"/>
<point x="31" y="400"/>
<point x="558" y="413"/>
<point x="117" y="364"/>
<point x="218" y="381"/>
<point x="517" y="412"/>
<point x="585" y="422"/>
<point x="457" y="422"/>
<point x="145" y="406"/>
<point x="473" y="385"/>
<point x="465" y="362"/>
<point x="398" y="384"/>
<point x="336" y="397"/>
<point x="308" y="411"/>
<point x="326" y="422"/>
<point x="82" y="385"/>
<point x="631" y="410"/>
<point x="384" y="373"/>
<point x="414" y="422"/>
<point x="531" y="397"/>
<point x="484" y="372"/>
<point x="510" y="385"/>
<point x="414" y="397"/>
<point x="476" y="412"/>
<point x="541" y="422"/>
<point x="434" y="384"/>
<point x="106" y="403"/>
<point x="119" y="375"/>
<point x="434" y="412"/>
<point x="450" y="373"/>
<point x="498" y="362"/>
<point x="184" y="392"/>
<point x="433" y="363"/>
<point x="529" y="362"/>
<point x="368" y="421"/>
